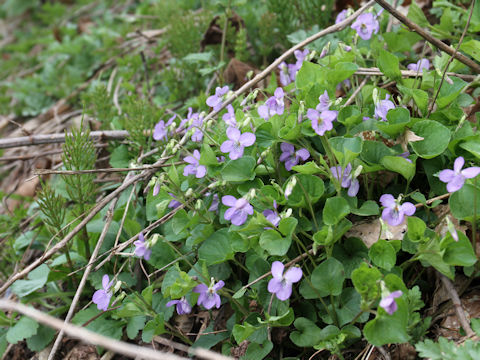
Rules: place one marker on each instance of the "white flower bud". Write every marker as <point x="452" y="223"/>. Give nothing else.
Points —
<point x="117" y="286"/>
<point x="375" y="96"/>
<point x="358" y="171"/>
<point x="290" y="186"/>
<point x="153" y="240"/>
<point x="199" y="204"/>
<point x="189" y="192"/>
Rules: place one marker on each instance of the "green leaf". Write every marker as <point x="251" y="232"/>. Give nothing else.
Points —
<point x="309" y="168"/>
<point x="309" y="75"/>
<point x="257" y="351"/>
<point x="335" y="209"/>
<point x="462" y="202"/>
<point x="242" y="332"/>
<point x="368" y="208"/>
<point x="281" y="320"/>
<point x="449" y="92"/>
<point x="152" y="328"/>
<point x="346" y="149"/>
<point x="397" y="120"/>
<point x="416" y="228"/>
<point x="399" y="165"/>
<point x="328" y="277"/>
<point x="41" y="339"/>
<point x="365" y="280"/>
<point x="473" y="147"/>
<point x="134" y="325"/>
<point x="239" y="170"/>
<point x="472" y="48"/>
<point x="436" y="138"/>
<point x="274" y="243"/>
<point x="207" y="156"/>
<point x="388" y="329"/>
<point x="23" y="329"/>
<point x="341" y="72"/>
<point x="389" y="65"/>
<point x="216" y="249"/>
<point x="36" y="280"/>
<point x="307" y="186"/>
<point x="119" y="157"/>
<point x="308" y="333"/>
<point x="416" y="15"/>
<point x="419" y="96"/>
<point x="287" y="226"/>
<point x="460" y="253"/>
<point x="383" y="254"/>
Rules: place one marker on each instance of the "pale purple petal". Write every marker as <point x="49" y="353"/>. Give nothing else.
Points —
<point x="277" y="270"/>
<point x="408" y="208"/>
<point x="293" y="275"/>
<point x="227" y="146"/>
<point x="263" y="111"/>
<point x="388" y="201"/>
<point x="274" y="285"/>
<point x="284" y="292"/>
<point x="229" y="200"/>
<point x="238" y="218"/>
<point x="287" y="148"/>
<point x="105" y="281"/>
<point x="456" y="183"/>
<point x="233" y="133"/>
<point x="446" y="175"/>
<point x="218" y="285"/>
<point x="458" y="164"/>
<point x="229" y="213"/>
<point x="201" y="171"/>
<point x="353" y="189"/>
<point x="304" y="154"/>
<point x="200" y="288"/>
<point x="236" y="153"/>
<point x="247" y="139"/>
<point x="471" y="172"/>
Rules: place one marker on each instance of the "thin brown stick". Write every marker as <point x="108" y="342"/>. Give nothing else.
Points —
<point x="90" y="337"/>
<point x="427" y="36"/>
<point x="457" y="304"/>
<point x="429" y="201"/>
<point x="83" y="281"/>
<point x="430" y="108"/>
<point x="39" y="155"/>
<point x="374" y="71"/>
<point x="109" y="170"/>
<point x="357" y="90"/>
<point x="59" y="138"/>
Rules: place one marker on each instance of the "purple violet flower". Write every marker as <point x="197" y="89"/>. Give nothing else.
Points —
<point x="160" y="132"/>
<point x="183" y="307"/>
<point x="239" y="209"/>
<point x="208" y="295"/>
<point x="156" y="189"/>
<point x="324" y="103"/>
<point x="281" y="284"/>
<point x="394" y="213"/>
<point x="102" y="297"/>
<point x="229" y="116"/>
<point x="215" y="101"/>
<point x="272" y="215"/>
<point x="197" y="122"/>
<point x="342" y="15"/>
<point x="405" y="155"/>
<point x="194" y="167"/>
<point x="215" y="203"/>
<point x="273" y="105"/>
<point x="456" y="178"/>
<point x="285" y="77"/>
<point x="300" y="55"/>
<point x="388" y="303"/>
<point x="236" y="143"/>
<point x="322" y="121"/>
<point x="292" y="157"/>
<point x="141" y="249"/>
<point x="382" y="108"/>
<point x="174" y="203"/>
<point x="419" y="66"/>
<point x="347" y="179"/>
<point x="366" y="25"/>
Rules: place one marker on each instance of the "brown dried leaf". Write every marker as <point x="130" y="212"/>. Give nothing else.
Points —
<point x="236" y="73"/>
<point x="369" y="232"/>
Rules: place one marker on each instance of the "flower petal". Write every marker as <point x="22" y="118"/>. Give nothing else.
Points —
<point x="446" y="175"/>
<point x="293" y="275"/>
<point x="229" y="200"/>
<point x="287" y="148"/>
<point x="456" y="183"/>
<point x="408" y="208"/>
<point x="218" y="285"/>
<point x="226" y="146"/>
<point x="277" y="270"/>
<point x="233" y="133"/>
<point x="274" y="285"/>
<point x="284" y="292"/>
<point x="200" y="288"/>
<point x="304" y="154"/>
<point x="105" y="280"/>
<point x="471" y="172"/>
<point x="387" y="200"/>
<point x="458" y="164"/>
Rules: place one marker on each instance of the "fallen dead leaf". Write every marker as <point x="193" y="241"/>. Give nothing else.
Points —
<point x="369" y="231"/>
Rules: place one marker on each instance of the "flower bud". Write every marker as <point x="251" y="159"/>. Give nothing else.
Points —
<point x="153" y="240"/>
<point x="117" y="286"/>
<point x="290" y="186"/>
<point x="375" y="96"/>
<point x="199" y="204"/>
<point x="189" y="192"/>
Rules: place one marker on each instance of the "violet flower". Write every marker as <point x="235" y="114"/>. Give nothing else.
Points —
<point x="394" y="213"/>
<point x="292" y="157"/>
<point x="285" y="77"/>
<point x="215" y="101"/>
<point x="419" y="66"/>
<point x="183" y="307"/>
<point x="274" y="105"/>
<point x="347" y="179"/>
<point x="239" y="209"/>
<point x="388" y="303"/>
<point x="236" y="143"/>
<point x="342" y="15"/>
<point x="160" y="132"/>
<point x="208" y="295"/>
<point x="272" y="215"/>
<point x="156" y="189"/>
<point x="197" y="122"/>
<point x="141" y="249"/>
<point x="300" y="55"/>
<point x="229" y="116"/>
<point x="324" y="103"/>
<point x="194" y="167"/>
<point x="174" y="203"/>
<point x="382" y="108"/>
<point x="456" y="178"/>
<point x="102" y="297"/>
<point x="366" y="25"/>
<point x="405" y="155"/>
<point x="281" y="284"/>
<point x="322" y="121"/>
<point x="215" y="203"/>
